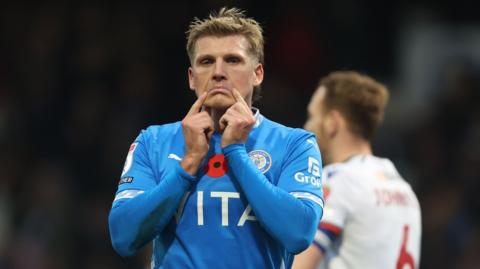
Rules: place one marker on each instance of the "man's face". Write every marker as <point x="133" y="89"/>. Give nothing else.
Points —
<point x="316" y="122"/>
<point x="221" y="64"/>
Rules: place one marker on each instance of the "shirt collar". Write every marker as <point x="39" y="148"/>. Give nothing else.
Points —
<point x="258" y="117"/>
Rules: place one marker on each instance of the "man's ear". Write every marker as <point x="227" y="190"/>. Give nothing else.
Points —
<point x="334" y="122"/>
<point x="190" y="79"/>
<point x="259" y="72"/>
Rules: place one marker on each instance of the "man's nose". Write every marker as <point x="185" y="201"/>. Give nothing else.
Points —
<point x="219" y="72"/>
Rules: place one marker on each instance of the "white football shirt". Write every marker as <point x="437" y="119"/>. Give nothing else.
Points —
<point x="371" y="217"/>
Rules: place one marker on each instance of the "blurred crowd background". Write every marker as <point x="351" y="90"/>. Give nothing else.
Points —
<point x="78" y="81"/>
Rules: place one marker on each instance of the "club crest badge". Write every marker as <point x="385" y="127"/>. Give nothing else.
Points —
<point x="261" y="159"/>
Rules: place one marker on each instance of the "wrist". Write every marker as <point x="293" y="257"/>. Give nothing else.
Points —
<point x="190" y="164"/>
<point x="225" y="144"/>
<point x="233" y="147"/>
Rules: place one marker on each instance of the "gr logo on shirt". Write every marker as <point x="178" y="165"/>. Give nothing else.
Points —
<point x="313" y="177"/>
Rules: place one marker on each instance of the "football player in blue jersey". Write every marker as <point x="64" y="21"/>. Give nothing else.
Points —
<point x="225" y="187"/>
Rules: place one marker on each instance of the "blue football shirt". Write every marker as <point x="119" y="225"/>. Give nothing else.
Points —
<point x="215" y="225"/>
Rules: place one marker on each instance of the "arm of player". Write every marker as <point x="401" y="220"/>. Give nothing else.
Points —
<point x="308" y="259"/>
<point x="289" y="219"/>
<point x="142" y="208"/>
<point x="338" y="208"/>
<point x="325" y="236"/>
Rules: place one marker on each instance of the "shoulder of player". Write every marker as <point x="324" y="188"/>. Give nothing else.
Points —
<point x="164" y="135"/>
<point x="161" y="132"/>
<point x="388" y="167"/>
<point x="337" y="172"/>
<point x="288" y="134"/>
<point x="333" y="170"/>
<point x="353" y="170"/>
<point x="272" y="125"/>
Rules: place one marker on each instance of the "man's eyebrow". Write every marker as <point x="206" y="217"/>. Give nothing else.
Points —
<point x="203" y="56"/>
<point x="233" y="54"/>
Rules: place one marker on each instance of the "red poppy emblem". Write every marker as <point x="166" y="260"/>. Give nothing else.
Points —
<point x="217" y="166"/>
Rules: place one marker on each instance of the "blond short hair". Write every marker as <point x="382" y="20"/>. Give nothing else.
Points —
<point x="225" y="23"/>
<point x="359" y="98"/>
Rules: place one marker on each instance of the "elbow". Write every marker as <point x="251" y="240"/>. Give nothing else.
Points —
<point x="121" y="242"/>
<point x="301" y="240"/>
<point x="303" y="237"/>
<point x="122" y="248"/>
<point x="298" y="245"/>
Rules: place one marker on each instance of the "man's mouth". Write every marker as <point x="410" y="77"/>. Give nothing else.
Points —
<point x="219" y="89"/>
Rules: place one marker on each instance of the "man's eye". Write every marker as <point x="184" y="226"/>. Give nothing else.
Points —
<point x="233" y="60"/>
<point x="206" y="61"/>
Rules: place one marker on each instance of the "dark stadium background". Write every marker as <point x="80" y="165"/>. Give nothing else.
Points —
<point x="78" y="81"/>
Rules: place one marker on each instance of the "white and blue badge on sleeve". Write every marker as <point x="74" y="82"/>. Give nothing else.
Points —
<point x="129" y="160"/>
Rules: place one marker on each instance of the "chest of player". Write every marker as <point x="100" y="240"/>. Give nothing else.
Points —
<point x="216" y="198"/>
<point x="214" y="202"/>
<point x="266" y="156"/>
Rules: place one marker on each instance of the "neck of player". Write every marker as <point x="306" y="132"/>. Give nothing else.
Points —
<point x="216" y="115"/>
<point x="351" y="146"/>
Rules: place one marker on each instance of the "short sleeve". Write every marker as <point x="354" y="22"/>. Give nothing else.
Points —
<point x="302" y="168"/>
<point x="339" y="202"/>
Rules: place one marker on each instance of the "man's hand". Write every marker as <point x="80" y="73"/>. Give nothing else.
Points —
<point x="197" y="131"/>
<point x="237" y="122"/>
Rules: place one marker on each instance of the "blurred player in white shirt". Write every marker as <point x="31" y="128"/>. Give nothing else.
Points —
<point x="372" y="217"/>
